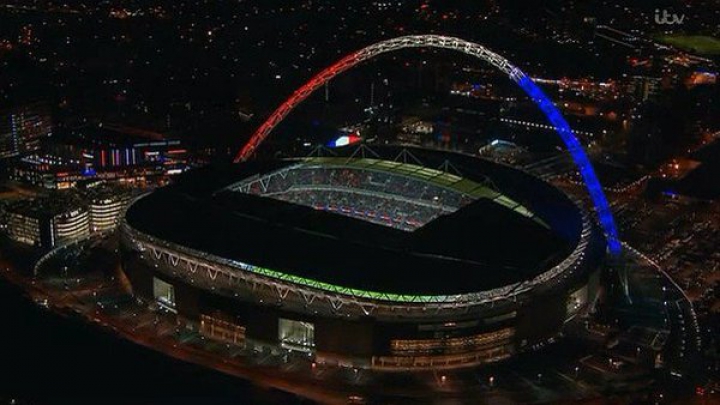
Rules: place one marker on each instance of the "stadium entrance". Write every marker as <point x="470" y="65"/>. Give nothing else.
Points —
<point x="296" y="335"/>
<point x="164" y="294"/>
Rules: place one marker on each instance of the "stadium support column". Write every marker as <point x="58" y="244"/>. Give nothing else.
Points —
<point x="623" y="273"/>
<point x="618" y="265"/>
<point x="623" y="265"/>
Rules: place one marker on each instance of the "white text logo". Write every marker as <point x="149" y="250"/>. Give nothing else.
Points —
<point x="666" y="18"/>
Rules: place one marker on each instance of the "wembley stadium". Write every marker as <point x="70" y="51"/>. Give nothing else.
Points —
<point x="395" y="260"/>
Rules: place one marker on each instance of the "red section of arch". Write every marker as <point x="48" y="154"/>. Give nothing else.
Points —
<point x="296" y="98"/>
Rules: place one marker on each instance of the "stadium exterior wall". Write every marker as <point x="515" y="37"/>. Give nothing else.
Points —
<point x="255" y="311"/>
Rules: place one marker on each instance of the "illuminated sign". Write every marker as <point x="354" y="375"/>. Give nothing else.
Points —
<point x="345" y="140"/>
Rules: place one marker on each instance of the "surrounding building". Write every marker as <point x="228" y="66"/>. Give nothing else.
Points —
<point x="88" y="154"/>
<point x="106" y="204"/>
<point x="48" y="222"/>
<point x="70" y="225"/>
<point x="64" y="217"/>
<point x="644" y="87"/>
<point x="22" y="129"/>
<point x="25" y="228"/>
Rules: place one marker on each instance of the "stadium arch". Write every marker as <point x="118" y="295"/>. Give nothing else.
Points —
<point x="553" y="115"/>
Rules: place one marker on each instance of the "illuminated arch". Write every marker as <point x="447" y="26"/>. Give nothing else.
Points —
<point x="435" y="41"/>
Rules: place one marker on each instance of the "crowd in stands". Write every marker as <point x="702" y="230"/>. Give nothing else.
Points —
<point x="383" y="198"/>
<point x="398" y="213"/>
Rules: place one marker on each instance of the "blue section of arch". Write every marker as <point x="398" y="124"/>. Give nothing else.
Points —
<point x="604" y="214"/>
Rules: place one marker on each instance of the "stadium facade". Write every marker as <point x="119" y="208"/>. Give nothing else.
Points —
<point x="400" y="261"/>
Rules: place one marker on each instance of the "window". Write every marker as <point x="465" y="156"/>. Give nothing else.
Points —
<point x="406" y="347"/>
<point x="222" y="330"/>
<point x="164" y="294"/>
<point x="296" y="335"/>
<point x="577" y="301"/>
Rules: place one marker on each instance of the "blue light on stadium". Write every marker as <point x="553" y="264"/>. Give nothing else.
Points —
<point x="581" y="160"/>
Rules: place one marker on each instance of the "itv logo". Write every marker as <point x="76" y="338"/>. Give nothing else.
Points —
<point x="667" y="18"/>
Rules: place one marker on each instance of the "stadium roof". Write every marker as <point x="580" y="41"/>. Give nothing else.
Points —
<point x="479" y="247"/>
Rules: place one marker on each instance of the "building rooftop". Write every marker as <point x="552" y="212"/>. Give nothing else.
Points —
<point x="48" y="206"/>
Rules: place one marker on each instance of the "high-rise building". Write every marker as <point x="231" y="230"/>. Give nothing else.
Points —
<point x="644" y="87"/>
<point x="23" y="128"/>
